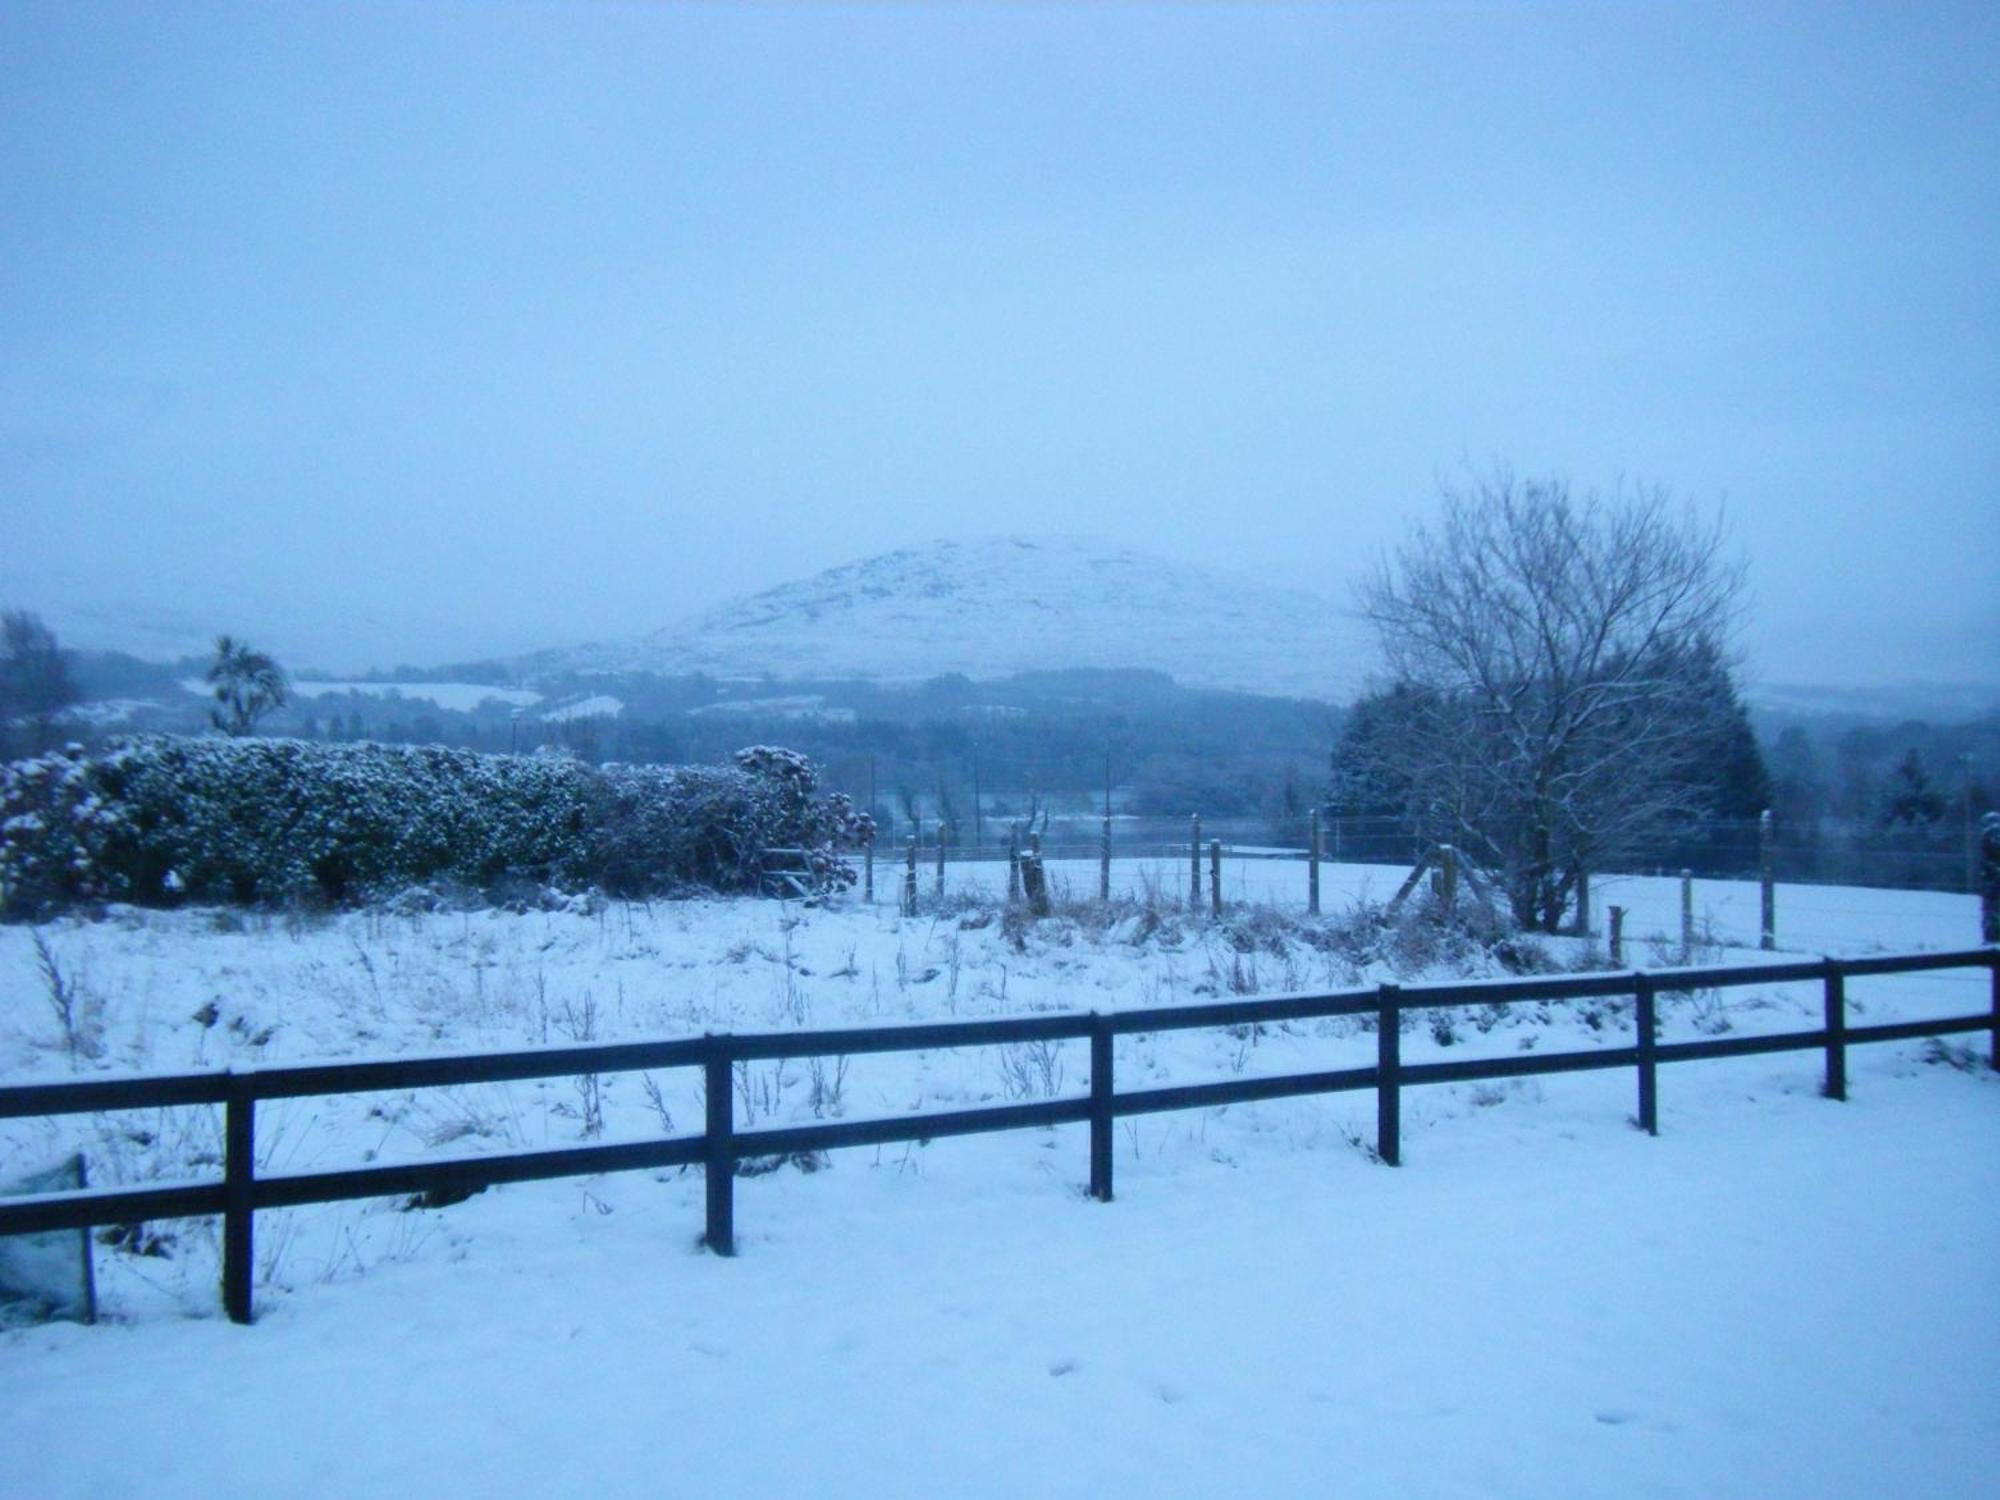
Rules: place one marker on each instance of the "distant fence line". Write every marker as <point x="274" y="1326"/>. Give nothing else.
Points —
<point x="1400" y="846"/>
<point x="1830" y="853"/>
<point x="242" y="1192"/>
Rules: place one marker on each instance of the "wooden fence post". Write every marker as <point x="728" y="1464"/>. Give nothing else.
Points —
<point x="1767" y="932"/>
<point x="1836" y="1031"/>
<point x="1104" y="863"/>
<point x="1312" y="866"/>
<point x="239" y="1169"/>
<point x="1013" y="861"/>
<point x="1687" y="916"/>
<point x="1215" y="876"/>
<point x="1993" y="1044"/>
<point x="1617" y="939"/>
<point x="1388" y="1078"/>
<point x="1583" y="903"/>
<point x="940" y="859"/>
<point x="910" y="878"/>
<point x="719" y="1161"/>
<point x="1101" y="1039"/>
<point x="868" y="872"/>
<point x="1648" y="1029"/>
<point x="1448" y="883"/>
<point x="1194" y="866"/>
<point x="1989" y="878"/>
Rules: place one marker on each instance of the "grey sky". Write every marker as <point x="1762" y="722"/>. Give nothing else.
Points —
<point x="409" y="331"/>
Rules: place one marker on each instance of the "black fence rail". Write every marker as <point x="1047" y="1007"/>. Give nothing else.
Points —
<point x="242" y="1192"/>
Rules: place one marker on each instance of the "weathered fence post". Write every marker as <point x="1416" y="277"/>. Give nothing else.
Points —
<point x="1013" y="861"/>
<point x="1101" y="1039"/>
<point x="719" y="1159"/>
<point x="1215" y="876"/>
<point x="1035" y="880"/>
<point x="1388" y="1078"/>
<point x="1687" y="916"/>
<point x="868" y="872"/>
<point x="1836" y="1031"/>
<point x="239" y="1173"/>
<point x="910" y="878"/>
<point x="1649" y="1035"/>
<point x="1448" y="878"/>
<point x="1194" y="865"/>
<point x="1312" y="865"/>
<point x="1993" y="1045"/>
<point x="1104" y="863"/>
<point x="940" y="859"/>
<point x="1617" y="939"/>
<point x="1583" y="903"/>
<point x="1767" y="932"/>
<point x="1989" y="878"/>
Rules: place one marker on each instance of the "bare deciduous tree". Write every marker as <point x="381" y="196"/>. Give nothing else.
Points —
<point x="1554" y="655"/>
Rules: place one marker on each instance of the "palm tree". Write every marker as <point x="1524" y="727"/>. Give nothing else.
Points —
<point x="248" y="685"/>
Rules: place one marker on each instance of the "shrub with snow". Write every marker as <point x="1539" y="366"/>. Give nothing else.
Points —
<point x="162" y="819"/>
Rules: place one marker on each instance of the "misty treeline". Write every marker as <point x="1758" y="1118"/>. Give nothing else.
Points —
<point x="1022" y="743"/>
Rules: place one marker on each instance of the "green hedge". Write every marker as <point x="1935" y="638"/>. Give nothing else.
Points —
<point x="160" y="820"/>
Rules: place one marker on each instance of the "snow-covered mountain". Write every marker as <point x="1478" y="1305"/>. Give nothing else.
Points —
<point x="1014" y="604"/>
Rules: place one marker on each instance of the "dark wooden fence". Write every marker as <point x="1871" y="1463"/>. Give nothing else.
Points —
<point x="242" y="1192"/>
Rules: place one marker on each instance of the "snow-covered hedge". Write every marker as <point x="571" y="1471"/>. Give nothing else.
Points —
<point x="160" y="819"/>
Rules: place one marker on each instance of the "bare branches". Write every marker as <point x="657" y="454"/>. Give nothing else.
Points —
<point x="1560" y="655"/>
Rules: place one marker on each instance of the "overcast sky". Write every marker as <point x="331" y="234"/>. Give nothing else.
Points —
<point x="419" y="330"/>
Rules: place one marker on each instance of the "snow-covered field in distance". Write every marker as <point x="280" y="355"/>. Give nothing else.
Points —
<point x="1778" y="1295"/>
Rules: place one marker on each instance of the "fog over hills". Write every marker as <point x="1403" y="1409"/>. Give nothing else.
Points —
<point x="1013" y="604"/>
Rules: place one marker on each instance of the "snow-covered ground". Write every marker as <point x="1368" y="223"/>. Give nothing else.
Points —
<point x="1778" y="1295"/>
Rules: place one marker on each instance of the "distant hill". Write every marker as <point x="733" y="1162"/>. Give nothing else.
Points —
<point x="996" y="608"/>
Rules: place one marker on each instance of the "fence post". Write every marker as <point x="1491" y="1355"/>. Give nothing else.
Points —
<point x="1101" y="1039"/>
<point x="910" y="878"/>
<point x="940" y="859"/>
<point x="1993" y="1046"/>
<point x="719" y="1161"/>
<point x="1312" y="866"/>
<point x="1104" y="863"/>
<point x="1388" y="1078"/>
<point x="1836" y="1031"/>
<point x="1215" y="876"/>
<point x="1989" y="878"/>
<point x="1194" y="866"/>
<point x="1687" y="916"/>
<point x="1013" y="861"/>
<point x="1649" y="1078"/>
<point x="1448" y="881"/>
<point x="1767" y="932"/>
<point x="868" y="872"/>
<point x="239" y="1172"/>
<point x="1583" y="903"/>
<point x="1617" y="940"/>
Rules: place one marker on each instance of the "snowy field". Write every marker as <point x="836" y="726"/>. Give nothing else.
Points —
<point x="1780" y="1295"/>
